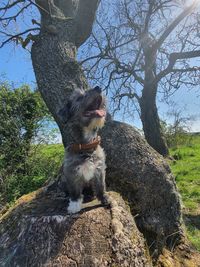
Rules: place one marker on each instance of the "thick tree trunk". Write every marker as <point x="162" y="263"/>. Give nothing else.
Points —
<point x="150" y="121"/>
<point x="39" y="232"/>
<point x="57" y="72"/>
<point x="149" y="113"/>
<point x="142" y="177"/>
<point x="65" y="25"/>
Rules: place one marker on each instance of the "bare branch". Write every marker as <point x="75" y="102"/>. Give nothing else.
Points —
<point x="104" y="52"/>
<point x="130" y="70"/>
<point x="172" y="60"/>
<point x="13" y="17"/>
<point x="100" y="55"/>
<point x="186" y="70"/>
<point x="174" y="24"/>
<point x="131" y="23"/>
<point x="84" y="19"/>
<point x="184" y="55"/>
<point x="129" y="95"/>
<point x="8" y="6"/>
<point x="15" y="36"/>
<point x="148" y="16"/>
<point x="40" y="6"/>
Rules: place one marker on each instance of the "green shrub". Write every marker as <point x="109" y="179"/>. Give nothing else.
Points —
<point x="40" y="167"/>
<point x="176" y="135"/>
<point x="24" y="119"/>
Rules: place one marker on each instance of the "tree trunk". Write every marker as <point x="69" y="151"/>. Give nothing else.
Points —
<point x="149" y="113"/>
<point x="150" y="121"/>
<point x="143" y="178"/>
<point x="37" y="231"/>
<point x="54" y="52"/>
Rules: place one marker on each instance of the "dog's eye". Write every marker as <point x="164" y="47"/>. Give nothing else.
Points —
<point x="79" y="98"/>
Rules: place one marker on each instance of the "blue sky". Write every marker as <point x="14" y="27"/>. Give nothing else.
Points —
<point x="16" y="67"/>
<point x="15" y="64"/>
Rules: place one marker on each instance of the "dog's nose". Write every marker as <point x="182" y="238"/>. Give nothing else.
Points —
<point x="97" y="89"/>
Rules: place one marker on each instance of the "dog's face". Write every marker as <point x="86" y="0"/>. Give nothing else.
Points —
<point x="85" y="108"/>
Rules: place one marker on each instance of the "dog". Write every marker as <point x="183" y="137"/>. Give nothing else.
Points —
<point x="84" y="162"/>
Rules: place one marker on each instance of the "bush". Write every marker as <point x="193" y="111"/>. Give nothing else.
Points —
<point x="177" y="133"/>
<point x="41" y="166"/>
<point x="23" y="120"/>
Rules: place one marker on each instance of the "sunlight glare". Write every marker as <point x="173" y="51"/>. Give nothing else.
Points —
<point x="188" y="3"/>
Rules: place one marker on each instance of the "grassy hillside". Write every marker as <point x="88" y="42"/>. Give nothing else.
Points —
<point x="186" y="168"/>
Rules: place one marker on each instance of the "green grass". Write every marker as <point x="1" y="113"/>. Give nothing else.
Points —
<point x="186" y="169"/>
<point x="53" y="152"/>
<point x="42" y="164"/>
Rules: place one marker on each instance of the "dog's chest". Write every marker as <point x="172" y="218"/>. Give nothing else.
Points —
<point x="87" y="170"/>
<point x="84" y="167"/>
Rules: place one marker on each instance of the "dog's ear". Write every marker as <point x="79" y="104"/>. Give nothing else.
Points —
<point x="65" y="113"/>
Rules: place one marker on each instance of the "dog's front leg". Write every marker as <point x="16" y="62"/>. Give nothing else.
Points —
<point x="75" y="199"/>
<point x="74" y="205"/>
<point x="100" y="188"/>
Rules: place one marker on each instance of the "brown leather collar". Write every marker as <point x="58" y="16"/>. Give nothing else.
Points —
<point x="76" y="148"/>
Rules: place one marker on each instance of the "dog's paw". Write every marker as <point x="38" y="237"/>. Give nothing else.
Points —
<point x="106" y="200"/>
<point x="88" y="194"/>
<point x="74" y="206"/>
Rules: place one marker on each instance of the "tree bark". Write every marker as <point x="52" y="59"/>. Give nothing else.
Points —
<point x="38" y="232"/>
<point x="143" y="178"/>
<point x="151" y="122"/>
<point x="149" y="113"/>
<point x="54" y="52"/>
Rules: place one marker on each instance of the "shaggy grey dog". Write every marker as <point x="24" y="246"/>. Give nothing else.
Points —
<point x="84" y="164"/>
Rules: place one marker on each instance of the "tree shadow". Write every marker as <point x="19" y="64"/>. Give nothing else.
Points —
<point x="193" y="219"/>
